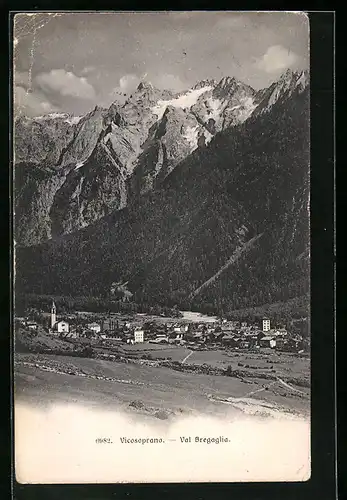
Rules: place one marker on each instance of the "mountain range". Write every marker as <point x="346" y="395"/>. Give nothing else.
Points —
<point x="191" y="199"/>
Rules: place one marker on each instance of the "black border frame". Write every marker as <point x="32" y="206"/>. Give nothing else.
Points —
<point x="322" y="483"/>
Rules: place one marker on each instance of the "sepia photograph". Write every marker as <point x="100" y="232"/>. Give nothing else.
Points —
<point x="161" y="241"/>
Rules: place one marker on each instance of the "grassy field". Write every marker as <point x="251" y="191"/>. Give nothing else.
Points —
<point x="47" y="378"/>
<point x="286" y="364"/>
<point x="192" y="380"/>
<point x="282" y="364"/>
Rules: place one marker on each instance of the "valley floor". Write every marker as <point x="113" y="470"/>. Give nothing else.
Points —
<point x="154" y="390"/>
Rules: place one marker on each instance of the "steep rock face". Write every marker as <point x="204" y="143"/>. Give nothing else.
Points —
<point x="124" y="145"/>
<point x="87" y="134"/>
<point x="187" y="121"/>
<point x="176" y="135"/>
<point x="239" y="205"/>
<point x="208" y="82"/>
<point x="41" y="140"/>
<point x="60" y="145"/>
<point x="84" y="183"/>
<point x="138" y="108"/>
<point x="35" y="189"/>
<point x="281" y="90"/>
<point x="88" y="193"/>
<point x="226" y="104"/>
<point x="87" y="167"/>
<point x="138" y="118"/>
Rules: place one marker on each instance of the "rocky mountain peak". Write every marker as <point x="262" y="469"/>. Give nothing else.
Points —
<point x="98" y="109"/>
<point x="144" y="86"/>
<point x="292" y="78"/>
<point x="227" y="80"/>
<point x="146" y="95"/>
<point x="114" y="115"/>
<point x="246" y="190"/>
<point x="207" y="82"/>
<point x="287" y="75"/>
<point x="144" y="139"/>
<point x="280" y="90"/>
<point x="229" y="85"/>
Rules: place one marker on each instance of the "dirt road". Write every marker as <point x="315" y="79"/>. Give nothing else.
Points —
<point x="188" y="356"/>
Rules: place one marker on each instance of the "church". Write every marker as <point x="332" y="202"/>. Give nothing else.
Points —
<point x="57" y="327"/>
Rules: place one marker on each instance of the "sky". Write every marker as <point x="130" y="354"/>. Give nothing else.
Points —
<point x="71" y="62"/>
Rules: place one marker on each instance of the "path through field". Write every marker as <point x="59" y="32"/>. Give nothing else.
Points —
<point x="185" y="359"/>
<point x="289" y="386"/>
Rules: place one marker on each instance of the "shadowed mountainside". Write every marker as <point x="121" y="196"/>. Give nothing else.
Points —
<point x="250" y="180"/>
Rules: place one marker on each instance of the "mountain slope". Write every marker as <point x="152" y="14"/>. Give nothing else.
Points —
<point x="138" y="144"/>
<point x="229" y="103"/>
<point x="41" y="140"/>
<point x="248" y="180"/>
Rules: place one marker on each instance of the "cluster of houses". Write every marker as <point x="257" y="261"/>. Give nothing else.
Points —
<point x="62" y="327"/>
<point x="235" y="334"/>
<point x="239" y="335"/>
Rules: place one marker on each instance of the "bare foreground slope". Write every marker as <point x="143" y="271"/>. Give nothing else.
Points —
<point x="158" y="424"/>
<point x="161" y="391"/>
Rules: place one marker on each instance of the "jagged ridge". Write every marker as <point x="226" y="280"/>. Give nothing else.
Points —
<point x="126" y="150"/>
<point x="248" y="180"/>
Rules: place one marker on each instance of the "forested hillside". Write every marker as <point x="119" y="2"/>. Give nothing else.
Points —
<point x="250" y="180"/>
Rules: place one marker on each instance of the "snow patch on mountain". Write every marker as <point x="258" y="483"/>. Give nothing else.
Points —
<point x="248" y="106"/>
<point x="107" y="137"/>
<point x="73" y="120"/>
<point x="191" y="135"/>
<point x="184" y="101"/>
<point x="79" y="164"/>
<point x="208" y="136"/>
<point x="214" y="108"/>
<point x="51" y="116"/>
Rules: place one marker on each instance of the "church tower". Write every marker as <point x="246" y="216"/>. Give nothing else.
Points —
<point x="53" y="315"/>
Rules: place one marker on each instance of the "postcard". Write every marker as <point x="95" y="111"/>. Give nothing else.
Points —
<point x="161" y="247"/>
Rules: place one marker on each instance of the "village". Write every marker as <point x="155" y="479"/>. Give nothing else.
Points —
<point x="113" y="329"/>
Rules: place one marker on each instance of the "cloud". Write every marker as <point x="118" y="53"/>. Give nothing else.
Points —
<point x="66" y="84"/>
<point x="31" y="103"/>
<point x="168" y="81"/>
<point x="128" y="83"/>
<point x="276" y="58"/>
